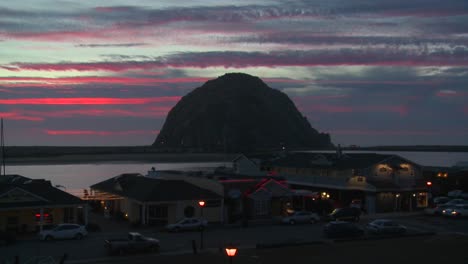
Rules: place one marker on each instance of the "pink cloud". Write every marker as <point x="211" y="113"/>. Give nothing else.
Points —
<point x="376" y="57"/>
<point x="327" y="108"/>
<point x="368" y="132"/>
<point x="151" y="112"/>
<point x="53" y="82"/>
<point x="451" y="93"/>
<point x="89" y="101"/>
<point x="99" y="133"/>
<point x="402" y="83"/>
<point x="306" y="99"/>
<point x="19" y="116"/>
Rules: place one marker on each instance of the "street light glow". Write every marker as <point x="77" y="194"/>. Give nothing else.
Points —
<point x="231" y="252"/>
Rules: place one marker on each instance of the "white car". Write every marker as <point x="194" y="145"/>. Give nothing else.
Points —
<point x="187" y="224"/>
<point x="458" y="210"/>
<point x="64" y="231"/>
<point x="300" y="217"/>
<point x="385" y="226"/>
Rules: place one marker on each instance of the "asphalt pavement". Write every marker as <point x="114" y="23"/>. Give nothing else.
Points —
<point x="91" y="249"/>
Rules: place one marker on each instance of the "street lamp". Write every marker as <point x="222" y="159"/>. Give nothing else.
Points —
<point x="231" y="252"/>
<point x="201" y="203"/>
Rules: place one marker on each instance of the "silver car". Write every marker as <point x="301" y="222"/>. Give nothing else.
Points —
<point x="385" y="226"/>
<point x="300" y="217"/>
<point x="64" y="231"/>
<point x="187" y="224"/>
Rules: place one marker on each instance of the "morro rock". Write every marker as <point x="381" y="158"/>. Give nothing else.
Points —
<point x="237" y="113"/>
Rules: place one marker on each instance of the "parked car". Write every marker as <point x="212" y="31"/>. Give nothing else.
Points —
<point x="187" y="224"/>
<point x="458" y="210"/>
<point x="436" y="209"/>
<point x="345" y="214"/>
<point x="457" y="201"/>
<point x="441" y="199"/>
<point x="300" y="217"/>
<point x="64" y="231"/>
<point x="134" y="242"/>
<point x="337" y="229"/>
<point x="385" y="226"/>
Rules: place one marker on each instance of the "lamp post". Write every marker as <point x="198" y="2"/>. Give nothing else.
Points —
<point x="231" y="252"/>
<point x="429" y="191"/>
<point x="201" y="203"/>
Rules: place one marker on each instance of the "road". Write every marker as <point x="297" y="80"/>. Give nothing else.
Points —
<point x="92" y="247"/>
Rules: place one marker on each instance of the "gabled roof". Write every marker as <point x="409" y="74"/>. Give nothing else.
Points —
<point x="21" y="192"/>
<point x="346" y="161"/>
<point x="145" y="189"/>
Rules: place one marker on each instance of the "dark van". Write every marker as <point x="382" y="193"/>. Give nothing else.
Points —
<point x="345" y="214"/>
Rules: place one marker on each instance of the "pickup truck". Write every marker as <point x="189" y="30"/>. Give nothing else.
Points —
<point x="134" y="243"/>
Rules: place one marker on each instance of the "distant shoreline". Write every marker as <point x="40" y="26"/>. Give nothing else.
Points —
<point x="49" y="155"/>
<point x="120" y="158"/>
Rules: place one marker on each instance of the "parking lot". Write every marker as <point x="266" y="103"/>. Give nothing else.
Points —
<point x="214" y="238"/>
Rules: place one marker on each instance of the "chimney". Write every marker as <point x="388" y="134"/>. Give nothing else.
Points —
<point x="338" y="152"/>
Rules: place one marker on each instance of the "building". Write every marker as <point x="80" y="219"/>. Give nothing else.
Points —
<point x="446" y="179"/>
<point x="27" y="205"/>
<point x="158" y="200"/>
<point x="381" y="183"/>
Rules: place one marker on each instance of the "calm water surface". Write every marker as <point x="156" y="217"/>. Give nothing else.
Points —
<point x="80" y="176"/>
<point x="76" y="177"/>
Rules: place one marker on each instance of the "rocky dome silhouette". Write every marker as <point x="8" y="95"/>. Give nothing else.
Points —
<point x="237" y="113"/>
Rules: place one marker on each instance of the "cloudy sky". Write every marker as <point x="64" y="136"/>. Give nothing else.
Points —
<point x="368" y="72"/>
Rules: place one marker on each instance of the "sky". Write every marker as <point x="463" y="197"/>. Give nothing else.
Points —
<point x="106" y="73"/>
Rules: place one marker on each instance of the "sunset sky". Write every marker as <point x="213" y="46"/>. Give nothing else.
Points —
<point x="104" y="73"/>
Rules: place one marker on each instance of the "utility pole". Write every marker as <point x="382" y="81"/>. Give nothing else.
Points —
<point x="2" y="147"/>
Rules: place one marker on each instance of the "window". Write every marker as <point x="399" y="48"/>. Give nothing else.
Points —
<point x="261" y="207"/>
<point x="157" y="214"/>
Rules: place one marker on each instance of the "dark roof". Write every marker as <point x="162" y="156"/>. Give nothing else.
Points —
<point x="242" y="185"/>
<point x="146" y="189"/>
<point x="346" y="161"/>
<point x="41" y="191"/>
<point x="13" y="179"/>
